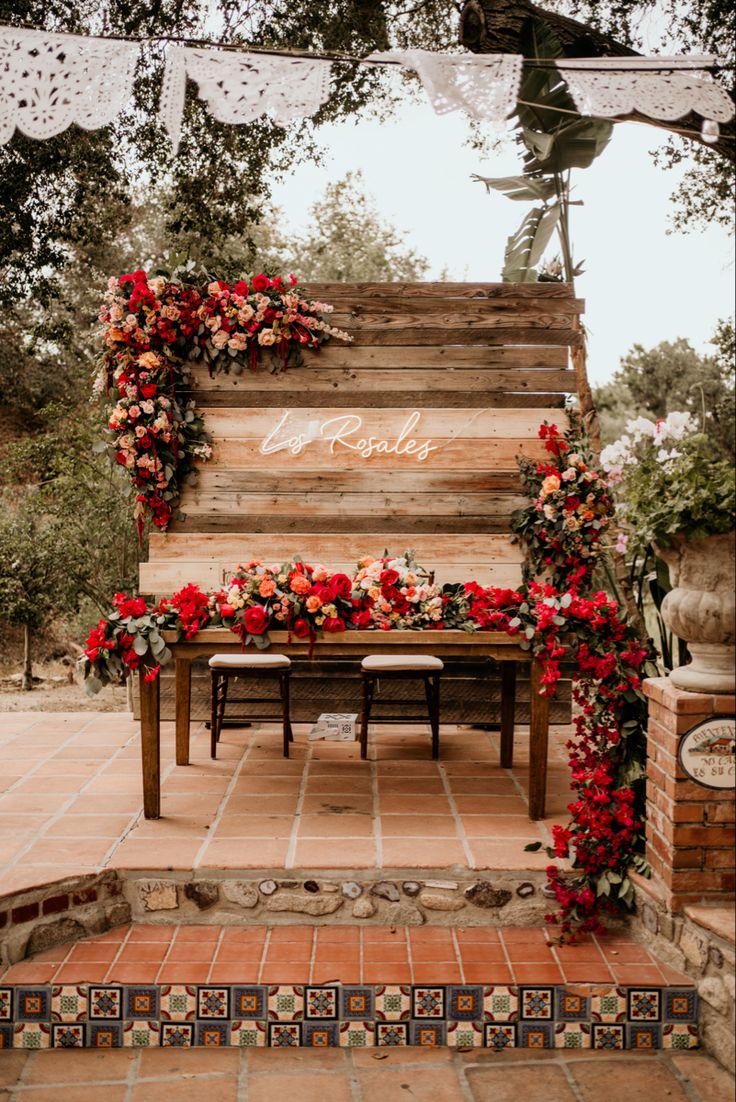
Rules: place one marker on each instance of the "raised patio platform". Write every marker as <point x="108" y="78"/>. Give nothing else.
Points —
<point x="71" y="802"/>
<point x="398" y="879"/>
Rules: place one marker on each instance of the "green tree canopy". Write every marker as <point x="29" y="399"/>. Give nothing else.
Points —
<point x="673" y="376"/>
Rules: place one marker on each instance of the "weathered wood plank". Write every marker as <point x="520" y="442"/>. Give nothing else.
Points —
<point x="255" y="424"/>
<point x="354" y="523"/>
<point x="356" y="381"/>
<point x="465" y="336"/>
<point x="166" y="577"/>
<point x="443" y="290"/>
<point x="346" y="399"/>
<point x="522" y="354"/>
<point x="348" y="302"/>
<point x="449" y="322"/>
<point x="305" y="480"/>
<point x="467" y="548"/>
<point x="324" y="504"/>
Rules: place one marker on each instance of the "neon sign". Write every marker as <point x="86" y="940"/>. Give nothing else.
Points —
<point x="345" y="431"/>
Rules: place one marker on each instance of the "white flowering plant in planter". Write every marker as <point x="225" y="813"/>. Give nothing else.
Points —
<point x="669" y="481"/>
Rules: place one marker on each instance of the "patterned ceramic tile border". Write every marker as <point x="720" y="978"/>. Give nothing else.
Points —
<point x="347" y="1015"/>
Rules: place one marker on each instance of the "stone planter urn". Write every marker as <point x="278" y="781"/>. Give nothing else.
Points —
<point x="701" y="610"/>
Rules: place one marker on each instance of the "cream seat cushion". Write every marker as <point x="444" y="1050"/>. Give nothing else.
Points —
<point x="249" y="662"/>
<point x="375" y="663"/>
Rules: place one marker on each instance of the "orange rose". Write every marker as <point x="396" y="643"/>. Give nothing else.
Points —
<point x="313" y="603"/>
<point x="300" y="584"/>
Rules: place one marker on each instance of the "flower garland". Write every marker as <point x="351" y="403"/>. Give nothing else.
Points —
<point x="558" y="617"/>
<point x="154" y="328"/>
<point x="571" y="510"/>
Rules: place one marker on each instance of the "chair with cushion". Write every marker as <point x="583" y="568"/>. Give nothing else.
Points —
<point x="402" y="667"/>
<point x="256" y="666"/>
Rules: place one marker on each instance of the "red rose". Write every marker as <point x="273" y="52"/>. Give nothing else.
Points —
<point x="333" y="624"/>
<point x="326" y="593"/>
<point x="389" y="577"/>
<point x="301" y="628"/>
<point x="120" y="458"/>
<point x="240" y="288"/>
<point x="148" y="390"/>
<point x="277" y="283"/>
<point x="256" y="620"/>
<point x="144" y="441"/>
<point x="226" y="610"/>
<point x="342" y="585"/>
<point x="261" y="282"/>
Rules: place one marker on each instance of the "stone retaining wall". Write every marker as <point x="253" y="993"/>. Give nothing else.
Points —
<point x="40" y="918"/>
<point x="699" y="942"/>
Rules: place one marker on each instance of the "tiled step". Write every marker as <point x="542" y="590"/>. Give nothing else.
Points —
<point x="330" y="986"/>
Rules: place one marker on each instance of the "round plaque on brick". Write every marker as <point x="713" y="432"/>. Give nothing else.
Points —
<point x="706" y="752"/>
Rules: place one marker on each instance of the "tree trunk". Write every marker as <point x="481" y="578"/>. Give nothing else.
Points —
<point x="27" y="679"/>
<point x="498" y="27"/>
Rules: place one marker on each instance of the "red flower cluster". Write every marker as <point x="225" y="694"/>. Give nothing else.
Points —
<point x="153" y="328"/>
<point x="193" y="608"/>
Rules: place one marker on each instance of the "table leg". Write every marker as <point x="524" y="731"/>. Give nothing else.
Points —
<point x="150" y="744"/>
<point x="183" y="683"/>
<point x="538" y="740"/>
<point x="508" y="713"/>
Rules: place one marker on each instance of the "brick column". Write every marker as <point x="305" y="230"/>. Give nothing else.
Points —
<point x="690" y="829"/>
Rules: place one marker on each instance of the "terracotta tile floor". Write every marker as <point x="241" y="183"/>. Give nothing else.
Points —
<point x="70" y="800"/>
<point x="355" y="1075"/>
<point x="319" y="954"/>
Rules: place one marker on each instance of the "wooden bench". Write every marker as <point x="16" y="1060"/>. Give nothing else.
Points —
<point x="466" y="371"/>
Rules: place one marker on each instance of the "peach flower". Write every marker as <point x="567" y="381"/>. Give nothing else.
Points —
<point x="300" y="584"/>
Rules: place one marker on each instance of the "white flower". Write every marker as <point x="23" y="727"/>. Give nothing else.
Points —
<point x="676" y="425"/>
<point x="641" y="427"/>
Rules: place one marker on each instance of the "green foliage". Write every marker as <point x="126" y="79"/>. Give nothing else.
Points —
<point x="673" y="376"/>
<point x="81" y="187"/>
<point x="347" y="240"/>
<point x="672" y="482"/>
<point x="76" y="495"/>
<point x="38" y="560"/>
<point x="555" y="141"/>
<point x="705" y="195"/>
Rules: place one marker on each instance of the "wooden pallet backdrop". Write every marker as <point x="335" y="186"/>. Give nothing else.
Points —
<point x="472" y="369"/>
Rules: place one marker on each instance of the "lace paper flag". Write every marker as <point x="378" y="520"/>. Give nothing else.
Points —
<point x="485" y="86"/>
<point x="664" y="94"/>
<point x="239" y="87"/>
<point x="49" y="81"/>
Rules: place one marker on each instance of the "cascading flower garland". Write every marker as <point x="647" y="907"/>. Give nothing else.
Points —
<point x="564" y="619"/>
<point x="557" y="615"/>
<point x="154" y="328"/>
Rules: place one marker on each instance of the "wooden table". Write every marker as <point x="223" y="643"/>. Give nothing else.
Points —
<point x="352" y="644"/>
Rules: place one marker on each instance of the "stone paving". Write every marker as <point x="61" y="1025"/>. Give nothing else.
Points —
<point x="437" y="1075"/>
<point x="70" y="801"/>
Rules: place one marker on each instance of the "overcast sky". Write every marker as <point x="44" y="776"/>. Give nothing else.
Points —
<point x="641" y="285"/>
